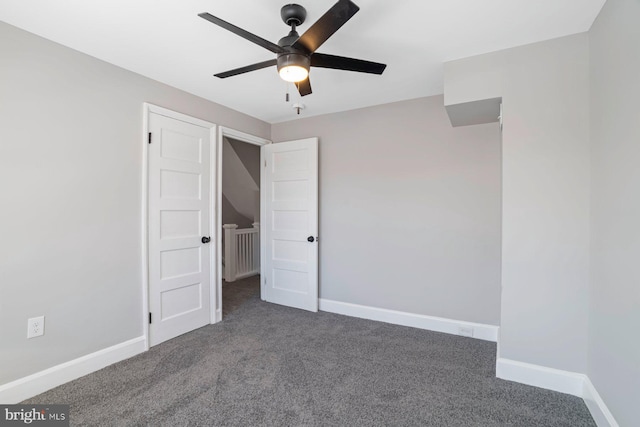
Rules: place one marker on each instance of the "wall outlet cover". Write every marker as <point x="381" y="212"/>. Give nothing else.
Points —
<point x="35" y="327"/>
<point x="465" y="331"/>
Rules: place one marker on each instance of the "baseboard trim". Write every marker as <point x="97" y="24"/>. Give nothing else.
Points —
<point x="32" y="385"/>
<point x="431" y="323"/>
<point x="599" y="411"/>
<point x="540" y="376"/>
<point x="558" y="380"/>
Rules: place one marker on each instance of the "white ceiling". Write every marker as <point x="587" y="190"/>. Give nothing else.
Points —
<point x="166" y="41"/>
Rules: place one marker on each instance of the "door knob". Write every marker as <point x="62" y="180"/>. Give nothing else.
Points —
<point x="206" y="239"/>
<point x="310" y="239"/>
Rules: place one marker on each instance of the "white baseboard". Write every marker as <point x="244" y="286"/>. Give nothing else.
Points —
<point x="540" y="376"/>
<point x="558" y="380"/>
<point x="438" y="324"/>
<point x="32" y="385"/>
<point x="599" y="411"/>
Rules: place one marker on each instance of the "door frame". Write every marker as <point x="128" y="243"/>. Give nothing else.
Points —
<point x="147" y="110"/>
<point x="216" y="311"/>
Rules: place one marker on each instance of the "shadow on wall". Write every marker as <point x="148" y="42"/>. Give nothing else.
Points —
<point x="240" y="183"/>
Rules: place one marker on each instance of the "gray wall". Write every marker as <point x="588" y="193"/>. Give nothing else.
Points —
<point x="409" y="209"/>
<point x="249" y="155"/>
<point x="231" y="216"/>
<point x="545" y="193"/>
<point x="614" y="347"/>
<point x="70" y="178"/>
<point x="546" y="203"/>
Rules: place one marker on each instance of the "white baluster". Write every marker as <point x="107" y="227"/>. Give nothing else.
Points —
<point x="243" y="257"/>
<point x="250" y="253"/>
<point x="244" y="253"/>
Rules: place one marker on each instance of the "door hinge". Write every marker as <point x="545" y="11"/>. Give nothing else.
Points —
<point x="149" y="317"/>
<point x="265" y="163"/>
<point x="149" y="137"/>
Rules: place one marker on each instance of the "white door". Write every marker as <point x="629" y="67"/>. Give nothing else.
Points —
<point x="290" y="215"/>
<point x="179" y="218"/>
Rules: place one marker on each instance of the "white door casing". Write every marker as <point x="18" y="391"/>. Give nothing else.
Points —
<point x="290" y="222"/>
<point x="179" y="186"/>
<point x="223" y="131"/>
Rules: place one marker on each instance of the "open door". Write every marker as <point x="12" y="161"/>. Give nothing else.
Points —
<point x="179" y="226"/>
<point x="290" y="223"/>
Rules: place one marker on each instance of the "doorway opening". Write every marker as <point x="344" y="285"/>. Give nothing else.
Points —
<point x="239" y="213"/>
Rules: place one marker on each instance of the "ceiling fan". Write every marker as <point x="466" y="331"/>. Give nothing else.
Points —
<point x="295" y="53"/>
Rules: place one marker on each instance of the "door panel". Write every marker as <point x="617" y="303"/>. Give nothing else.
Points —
<point x="290" y="183"/>
<point x="179" y="210"/>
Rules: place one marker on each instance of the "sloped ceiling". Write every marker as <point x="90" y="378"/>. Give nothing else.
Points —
<point x="166" y="41"/>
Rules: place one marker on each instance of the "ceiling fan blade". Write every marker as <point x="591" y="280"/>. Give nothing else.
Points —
<point x="328" y="24"/>
<point x="242" y="70"/>
<point x="322" y="60"/>
<point x="304" y="87"/>
<point x="242" y="33"/>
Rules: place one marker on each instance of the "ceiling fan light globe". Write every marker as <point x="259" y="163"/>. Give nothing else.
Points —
<point x="293" y="73"/>
<point x="293" y="66"/>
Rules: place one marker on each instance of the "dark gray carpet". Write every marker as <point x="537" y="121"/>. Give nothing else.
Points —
<point x="234" y="294"/>
<point x="270" y="365"/>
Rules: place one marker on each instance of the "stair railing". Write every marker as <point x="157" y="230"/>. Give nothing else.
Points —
<point x="241" y="251"/>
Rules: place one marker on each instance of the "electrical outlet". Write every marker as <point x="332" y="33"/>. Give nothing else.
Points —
<point x="465" y="331"/>
<point x="35" y="327"/>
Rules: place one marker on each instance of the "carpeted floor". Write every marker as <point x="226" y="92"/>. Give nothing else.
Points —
<point x="266" y="364"/>
<point x="234" y="294"/>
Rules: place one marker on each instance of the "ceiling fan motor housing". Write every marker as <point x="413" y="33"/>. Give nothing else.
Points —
<point x="293" y="58"/>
